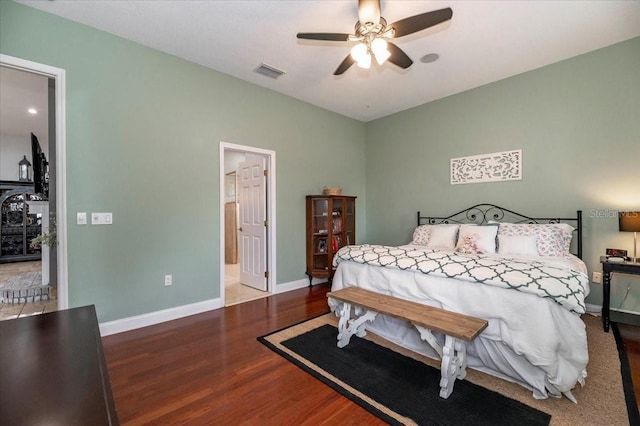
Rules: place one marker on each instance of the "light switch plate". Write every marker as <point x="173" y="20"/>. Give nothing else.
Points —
<point x="101" y="218"/>
<point x="81" y="218"/>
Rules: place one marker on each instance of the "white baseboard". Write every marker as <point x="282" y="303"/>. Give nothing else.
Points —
<point x="594" y="309"/>
<point x="151" y="318"/>
<point x="157" y="317"/>
<point x="291" y="285"/>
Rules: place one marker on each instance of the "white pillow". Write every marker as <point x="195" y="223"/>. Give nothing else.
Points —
<point x="525" y="245"/>
<point x="421" y="235"/>
<point x="551" y="239"/>
<point x="567" y="231"/>
<point x="443" y="237"/>
<point x="477" y="239"/>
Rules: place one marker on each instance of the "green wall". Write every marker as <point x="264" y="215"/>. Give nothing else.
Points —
<point x="143" y="134"/>
<point x="143" y="130"/>
<point x="576" y="121"/>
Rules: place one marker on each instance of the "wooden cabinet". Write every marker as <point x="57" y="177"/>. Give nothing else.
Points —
<point x="331" y="224"/>
<point x="230" y="233"/>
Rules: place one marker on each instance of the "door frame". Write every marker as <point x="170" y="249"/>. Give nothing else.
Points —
<point x="58" y="74"/>
<point x="271" y="210"/>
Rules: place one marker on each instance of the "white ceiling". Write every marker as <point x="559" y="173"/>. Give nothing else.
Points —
<point x="19" y="91"/>
<point x="484" y="42"/>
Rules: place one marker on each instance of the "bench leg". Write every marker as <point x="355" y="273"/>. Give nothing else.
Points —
<point x="426" y="335"/>
<point x="454" y="364"/>
<point x="347" y="327"/>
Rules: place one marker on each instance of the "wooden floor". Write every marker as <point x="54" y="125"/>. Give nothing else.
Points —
<point x="210" y="369"/>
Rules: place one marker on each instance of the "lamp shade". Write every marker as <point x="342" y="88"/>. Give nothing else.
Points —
<point x="629" y="221"/>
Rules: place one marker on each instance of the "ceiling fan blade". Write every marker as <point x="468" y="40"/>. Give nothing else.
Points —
<point x="344" y="65"/>
<point x="324" y="36"/>
<point x="398" y="57"/>
<point x="420" y="22"/>
<point x="369" y="11"/>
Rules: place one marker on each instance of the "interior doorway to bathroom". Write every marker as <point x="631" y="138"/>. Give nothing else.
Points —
<point x="247" y="223"/>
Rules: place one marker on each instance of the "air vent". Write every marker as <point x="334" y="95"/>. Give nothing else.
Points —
<point x="269" y="71"/>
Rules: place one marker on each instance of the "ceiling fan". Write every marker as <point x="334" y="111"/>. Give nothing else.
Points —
<point x="372" y="32"/>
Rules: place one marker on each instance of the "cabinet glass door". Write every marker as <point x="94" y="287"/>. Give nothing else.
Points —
<point x="350" y="222"/>
<point x="320" y="221"/>
<point x="336" y="214"/>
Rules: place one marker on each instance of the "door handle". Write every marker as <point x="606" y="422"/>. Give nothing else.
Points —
<point x="240" y="229"/>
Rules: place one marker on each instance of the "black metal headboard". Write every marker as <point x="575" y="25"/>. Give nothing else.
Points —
<point x="483" y="213"/>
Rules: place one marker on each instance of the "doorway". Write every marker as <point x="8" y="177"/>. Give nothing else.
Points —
<point x="39" y="211"/>
<point x="247" y="223"/>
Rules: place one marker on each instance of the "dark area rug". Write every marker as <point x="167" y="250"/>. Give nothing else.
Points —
<point x="396" y="388"/>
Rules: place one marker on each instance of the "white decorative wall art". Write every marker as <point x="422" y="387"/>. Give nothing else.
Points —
<point x="493" y="167"/>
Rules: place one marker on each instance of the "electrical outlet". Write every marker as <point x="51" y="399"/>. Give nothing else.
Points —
<point x="168" y="280"/>
<point x="597" y="277"/>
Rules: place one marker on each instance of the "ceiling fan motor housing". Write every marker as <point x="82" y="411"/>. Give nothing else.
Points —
<point x="371" y="28"/>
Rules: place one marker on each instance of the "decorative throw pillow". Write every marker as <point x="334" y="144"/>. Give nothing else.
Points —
<point x="468" y="244"/>
<point x="551" y="240"/>
<point x="567" y="232"/>
<point x="477" y="239"/>
<point x="421" y="235"/>
<point x="525" y="245"/>
<point x="443" y="237"/>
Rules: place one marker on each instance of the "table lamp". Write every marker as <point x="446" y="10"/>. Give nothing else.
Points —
<point x="630" y="222"/>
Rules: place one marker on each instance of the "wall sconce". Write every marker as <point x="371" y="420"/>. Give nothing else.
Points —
<point x="630" y="222"/>
<point x="24" y="170"/>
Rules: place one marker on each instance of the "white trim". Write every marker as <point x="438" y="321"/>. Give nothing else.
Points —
<point x="271" y="210"/>
<point x="61" y="164"/>
<point x="295" y="285"/>
<point x="593" y="309"/>
<point x="157" y="317"/>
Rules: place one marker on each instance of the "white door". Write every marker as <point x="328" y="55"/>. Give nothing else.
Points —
<point x="253" y="216"/>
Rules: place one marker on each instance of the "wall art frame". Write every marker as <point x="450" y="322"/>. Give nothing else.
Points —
<point x="492" y="167"/>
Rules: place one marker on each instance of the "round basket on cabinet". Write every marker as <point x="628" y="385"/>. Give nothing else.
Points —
<point x="331" y="191"/>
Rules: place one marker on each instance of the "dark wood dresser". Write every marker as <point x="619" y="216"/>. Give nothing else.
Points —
<point x="53" y="371"/>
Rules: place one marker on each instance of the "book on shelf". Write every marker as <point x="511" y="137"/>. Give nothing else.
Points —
<point x="337" y="225"/>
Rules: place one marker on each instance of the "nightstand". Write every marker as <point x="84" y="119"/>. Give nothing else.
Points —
<point x="607" y="269"/>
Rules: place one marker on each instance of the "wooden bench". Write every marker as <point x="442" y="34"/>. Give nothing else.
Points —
<point x="457" y="328"/>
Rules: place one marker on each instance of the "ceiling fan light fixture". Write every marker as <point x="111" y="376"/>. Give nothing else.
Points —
<point x="381" y="57"/>
<point x="378" y="45"/>
<point x="365" y="62"/>
<point x="359" y="51"/>
<point x="379" y="48"/>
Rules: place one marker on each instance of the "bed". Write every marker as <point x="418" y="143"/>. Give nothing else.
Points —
<point x="523" y="274"/>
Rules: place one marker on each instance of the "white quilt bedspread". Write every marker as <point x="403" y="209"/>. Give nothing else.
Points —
<point x="529" y="340"/>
